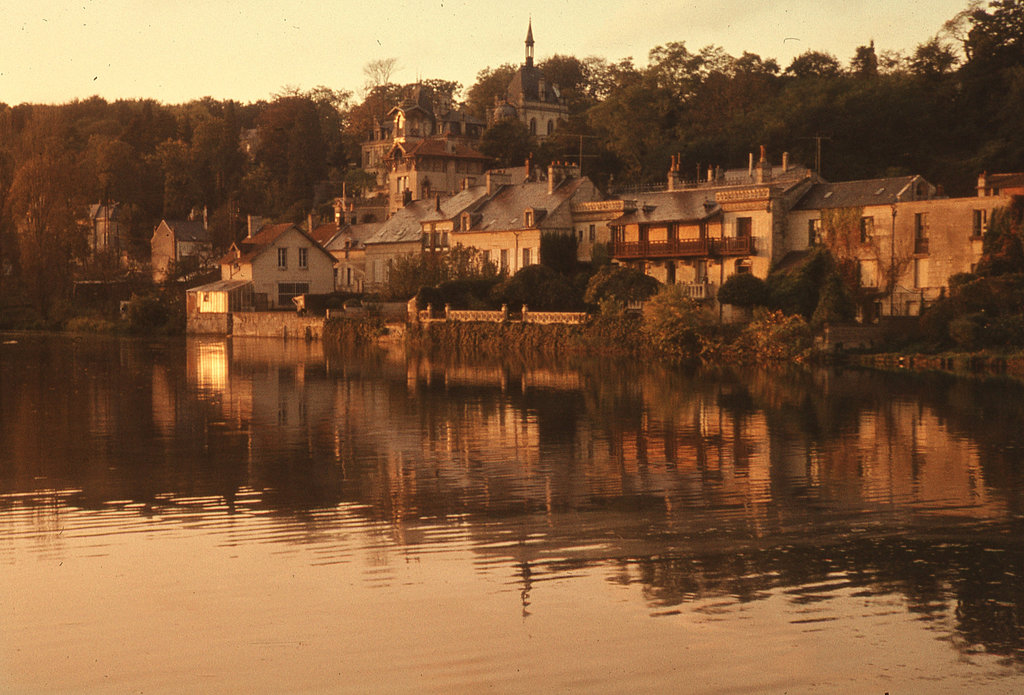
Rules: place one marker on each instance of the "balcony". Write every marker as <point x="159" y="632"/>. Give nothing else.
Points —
<point x="682" y="248"/>
<point x="921" y="246"/>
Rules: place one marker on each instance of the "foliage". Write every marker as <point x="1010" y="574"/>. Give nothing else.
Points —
<point x="676" y="326"/>
<point x="798" y="290"/>
<point x="777" y="337"/>
<point x="161" y="314"/>
<point x="411" y="272"/>
<point x="620" y="283"/>
<point x="744" y="290"/>
<point x="539" y="288"/>
<point x="835" y="305"/>
<point x="558" y="252"/>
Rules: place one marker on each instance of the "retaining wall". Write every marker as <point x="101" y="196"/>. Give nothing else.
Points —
<point x="275" y="324"/>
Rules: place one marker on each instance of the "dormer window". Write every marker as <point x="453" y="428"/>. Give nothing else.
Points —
<point x="528" y="218"/>
<point x="464" y="222"/>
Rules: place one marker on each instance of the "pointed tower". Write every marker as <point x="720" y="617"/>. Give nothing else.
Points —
<point x="529" y="44"/>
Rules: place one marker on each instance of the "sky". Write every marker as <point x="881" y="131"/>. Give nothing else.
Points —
<point x="174" y="51"/>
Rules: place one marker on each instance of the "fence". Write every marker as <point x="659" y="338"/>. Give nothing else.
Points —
<point x="501" y="316"/>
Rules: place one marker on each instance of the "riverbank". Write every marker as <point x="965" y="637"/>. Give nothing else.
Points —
<point x="958" y="363"/>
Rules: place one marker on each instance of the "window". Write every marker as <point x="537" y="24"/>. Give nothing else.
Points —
<point x="813" y="232"/>
<point x="593" y="232"/>
<point x="921" y="232"/>
<point x="867" y="229"/>
<point x="526" y="257"/>
<point x="464" y="222"/>
<point x="504" y="260"/>
<point x="303" y="258"/>
<point x="282" y="258"/>
<point x="287" y="290"/>
<point x="533" y="126"/>
<point x="980" y="223"/>
<point x="744" y="226"/>
<point x="743" y="266"/>
<point x="868" y="272"/>
<point x="551" y="127"/>
<point x="528" y="218"/>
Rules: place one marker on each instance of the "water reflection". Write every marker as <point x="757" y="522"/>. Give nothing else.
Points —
<point x="708" y="490"/>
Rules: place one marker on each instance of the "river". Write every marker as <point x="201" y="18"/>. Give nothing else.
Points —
<point x="266" y="516"/>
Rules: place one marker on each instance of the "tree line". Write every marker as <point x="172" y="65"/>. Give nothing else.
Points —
<point x="947" y="109"/>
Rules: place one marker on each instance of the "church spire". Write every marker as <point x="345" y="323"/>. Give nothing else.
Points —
<point x="529" y="44"/>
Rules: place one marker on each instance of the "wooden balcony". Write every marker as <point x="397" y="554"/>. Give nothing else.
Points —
<point x="682" y="248"/>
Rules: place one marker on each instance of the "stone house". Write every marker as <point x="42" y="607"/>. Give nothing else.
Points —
<point x="530" y="99"/>
<point x="419" y="226"/>
<point x="108" y="228"/>
<point x="508" y="224"/>
<point x="700" y="233"/>
<point x="906" y="240"/>
<point x="281" y="261"/>
<point x="183" y="246"/>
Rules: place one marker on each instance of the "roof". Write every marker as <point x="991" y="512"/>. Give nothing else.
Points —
<point x="324" y="233"/>
<point x="504" y="211"/>
<point x="439" y="147"/>
<point x="354" y="235"/>
<point x="247" y="249"/>
<point x="188" y="230"/>
<point x="100" y="211"/>
<point x="526" y="82"/>
<point x="221" y="286"/>
<point x="1004" y="180"/>
<point x="849" y="194"/>
<point x="404" y="225"/>
<point x="672" y="206"/>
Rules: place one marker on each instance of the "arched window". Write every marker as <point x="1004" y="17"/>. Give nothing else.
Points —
<point x="533" y="126"/>
<point x="551" y="126"/>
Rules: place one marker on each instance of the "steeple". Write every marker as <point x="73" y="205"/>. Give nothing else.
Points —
<point x="529" y="44"/>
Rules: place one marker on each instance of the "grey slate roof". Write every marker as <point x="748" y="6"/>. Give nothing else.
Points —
<point x="505" y="210"/>
<point x="188" y="230"/>
<point x="672" y="206"/>
<point x="849" y="194"/>
<point x="404" y="225"/>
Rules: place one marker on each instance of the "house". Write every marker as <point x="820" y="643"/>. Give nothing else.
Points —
<point x="179" y="246"/>
<point x="108" y="228"/>
<point x="700" y="233"/>
<point x="1000" y="184"/>
<point x="422" y="225"/>
<point x="518" y="210"/>
<point x="530" y="99"/>
<point x="281" y="262"/>
<point x="424" y="168"/>
<point x="905" y="239"/>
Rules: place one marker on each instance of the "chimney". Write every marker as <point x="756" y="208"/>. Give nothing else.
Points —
<point x="785" y="162"/>
<point x="750" y="166"/>
<point x="983" y="184"/>
<point x="673" y="173"/>
<point x="309" y="223"/>
<point x="711" y="174"/>
<point x="764" y="169"/>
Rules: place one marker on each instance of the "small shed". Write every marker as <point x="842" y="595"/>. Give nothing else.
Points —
<point x="220" y="297"/>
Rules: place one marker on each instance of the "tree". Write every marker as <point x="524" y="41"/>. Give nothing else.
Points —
<point x="744" y="290"/>
<point x="509" y="142"/>
<point x="620" y="283"/>
<point x="811" y="64"/>
<point x="378" y="73"/>
<point x="540" y="288"/>
<point x="865" y="62"/>
<point x="490" y="83"/>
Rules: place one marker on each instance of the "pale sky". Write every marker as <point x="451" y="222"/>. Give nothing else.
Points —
<point x="54" y="51"/>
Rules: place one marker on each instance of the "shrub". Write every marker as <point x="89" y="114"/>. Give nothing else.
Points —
<point x="744" y="290"/>
<point x="677" y="326"/>
<point x="620" y="283"/>
<point x="774" y="336"/>
<point x="538" y="287"/>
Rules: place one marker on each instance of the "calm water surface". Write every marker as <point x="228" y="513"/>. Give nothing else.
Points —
<point x="259" y="516"/>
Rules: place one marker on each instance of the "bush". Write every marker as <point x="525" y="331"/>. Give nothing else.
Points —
<point x="774" y="336"/>
<point x="677" y="326"/>
<point x="620" y="283"/>
<point x="539" y="288"/>
<point x="156" y="314"/>
<point x="744" y="290"/>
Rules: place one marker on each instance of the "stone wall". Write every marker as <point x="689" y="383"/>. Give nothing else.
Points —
<point x="208" y="324"/>
<point x="277" y="324"/>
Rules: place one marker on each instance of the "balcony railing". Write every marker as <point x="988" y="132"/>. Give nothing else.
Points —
<point x="682" y="248"/>
<point x="920" y="246"/>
